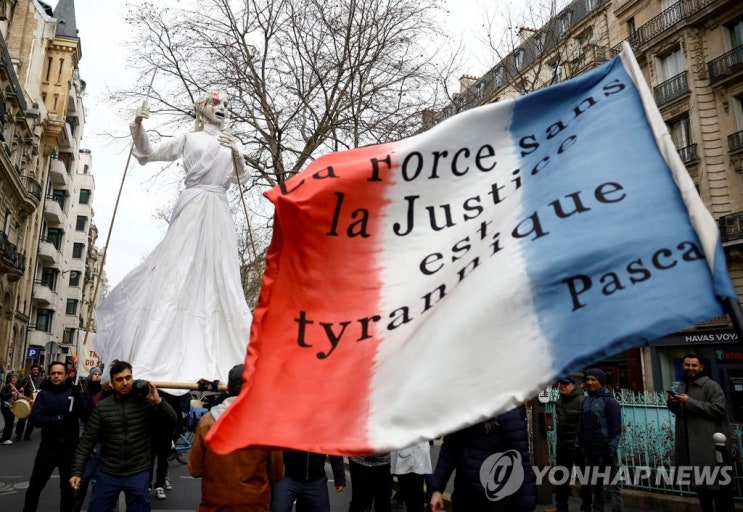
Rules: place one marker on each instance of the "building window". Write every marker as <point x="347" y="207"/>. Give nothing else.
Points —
<point x="498" y="76"/>
<point x="49" y="277"/>
<point x="681" y="132"/>
<point x="61" y="197"/>
<point x="69" y="336"/>
<point x="670" y="65"/>
<point x="74" y="278"/>
<point x="71" y="307"/>
<point x="518" y="58"/>
<point x="48" y="68"/>
<point x="77" y="250"/>
<point x="59" y="74"/>
<point x="6" y="225"/>
<point x="81" y="223"/>
<point x="631" y="28"/>
<point x="555" y="70"/>
<point x="44" y="320"/>
<point x="734" y="34"/>
<point x="590" y="4"/>
<point x="86" y="169"/>
<point x="54" y="235"/>
<point x="84" y="196"/>
<point x="566" y="20"/>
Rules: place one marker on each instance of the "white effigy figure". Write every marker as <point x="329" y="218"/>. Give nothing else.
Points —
<point x="181" y="314"/>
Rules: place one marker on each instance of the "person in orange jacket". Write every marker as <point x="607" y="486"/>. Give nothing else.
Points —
<point x="239" y="481"/>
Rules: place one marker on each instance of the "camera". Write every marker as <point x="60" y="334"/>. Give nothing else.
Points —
<point x="140" y="389"/>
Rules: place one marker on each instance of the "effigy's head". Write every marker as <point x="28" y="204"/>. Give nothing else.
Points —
<point x="211" y="108"/>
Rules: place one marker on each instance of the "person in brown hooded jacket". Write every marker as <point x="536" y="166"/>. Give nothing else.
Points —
<point x="239" y="481"/>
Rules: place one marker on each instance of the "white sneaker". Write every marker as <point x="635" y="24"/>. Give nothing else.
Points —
<point x="160" y="493"/>
<point x="8" y="441"/>
<point x="168" y="487"/>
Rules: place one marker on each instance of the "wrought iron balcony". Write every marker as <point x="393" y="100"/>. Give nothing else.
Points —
<point x="726" y="65"/>
<point x="11" y="261"/>
<point x="735" y="140"/>
<point x="590" y="56"/>
<point x="688" y="154"/>
<point x="672" y="88"/>
<point x="731" y="227"/>
<point x="662" y="22"/>
<point x="32" y="186"/>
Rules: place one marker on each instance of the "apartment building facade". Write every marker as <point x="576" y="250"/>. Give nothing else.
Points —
<point x="51" y="226"/>
<point x="691" y="55"/>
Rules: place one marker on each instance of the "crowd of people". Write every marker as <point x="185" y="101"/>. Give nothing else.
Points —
<point x="126" y="430"/>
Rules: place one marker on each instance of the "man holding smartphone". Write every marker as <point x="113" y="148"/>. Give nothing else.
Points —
<point x="700" y="409"/>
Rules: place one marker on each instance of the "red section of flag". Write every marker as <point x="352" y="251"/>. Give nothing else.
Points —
<point x="325" y="218"/>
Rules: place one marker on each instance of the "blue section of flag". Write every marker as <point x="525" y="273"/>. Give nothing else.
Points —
<point x="611" y="255"/>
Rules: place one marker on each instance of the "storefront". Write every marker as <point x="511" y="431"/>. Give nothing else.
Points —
<point x="624" y="369"/>
<point x="719" y="350"/>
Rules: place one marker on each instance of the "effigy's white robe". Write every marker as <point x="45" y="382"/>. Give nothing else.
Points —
<point x="181" y="314"/>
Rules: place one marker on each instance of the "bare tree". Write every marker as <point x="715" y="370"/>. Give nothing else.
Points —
<point x="306" y="76"/>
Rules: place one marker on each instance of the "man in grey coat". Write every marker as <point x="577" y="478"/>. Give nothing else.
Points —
<point x="699" y="407"/>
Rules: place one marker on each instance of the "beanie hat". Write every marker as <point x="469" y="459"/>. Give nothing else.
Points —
<point x="235" y="379"/>
<point x="94" y="371"/>
<point x="599" y="374"/>
<point x="567" y="379"/>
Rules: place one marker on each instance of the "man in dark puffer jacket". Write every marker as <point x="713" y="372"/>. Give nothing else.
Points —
<point x="58" y="409"/>
<point x="468" y="449"/>
<point x="122" y="424"/>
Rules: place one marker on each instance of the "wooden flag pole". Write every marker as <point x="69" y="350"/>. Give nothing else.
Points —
<point x="202" y="385"/>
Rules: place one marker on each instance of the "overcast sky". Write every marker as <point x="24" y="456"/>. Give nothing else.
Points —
<point x="102" y="31"/>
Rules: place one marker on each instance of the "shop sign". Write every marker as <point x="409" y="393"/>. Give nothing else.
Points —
<point x="727" y="356"/>
<point x="693" y="338"/>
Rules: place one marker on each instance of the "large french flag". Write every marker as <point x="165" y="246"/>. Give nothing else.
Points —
<point x="420" y="286"/>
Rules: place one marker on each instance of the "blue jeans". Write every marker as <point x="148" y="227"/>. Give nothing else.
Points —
<point x="135" y="487"/>
<point x="91" y="469"/>
<point x="311" y="496"/>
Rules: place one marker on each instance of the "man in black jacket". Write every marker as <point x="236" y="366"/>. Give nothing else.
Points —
<point x="569" y="407"/>
<point x="121" y="423"/>
<point x="305" y="480"/>
<point x="58" y="409"/>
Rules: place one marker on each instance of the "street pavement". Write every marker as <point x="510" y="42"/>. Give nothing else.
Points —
<point x="16" y="463"/>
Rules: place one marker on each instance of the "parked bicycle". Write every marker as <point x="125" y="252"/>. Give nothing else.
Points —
<point x="182" y="444"/>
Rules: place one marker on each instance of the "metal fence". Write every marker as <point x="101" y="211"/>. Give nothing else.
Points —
<point x="648" y="442"/>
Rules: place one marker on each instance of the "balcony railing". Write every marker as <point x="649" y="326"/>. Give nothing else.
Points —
<point x="726" y="65"/>
<point x="731" y="227"/>
<point x="52" y="240"/>
<point x="11" y="258"/>
<point x="590" y="56"/>
<point x="735" y="141"/>
<point x="672" y="88"/>
<point x="662" y="22"/>
<point x="688" y="154"/>
<point x="32" y="186"/>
